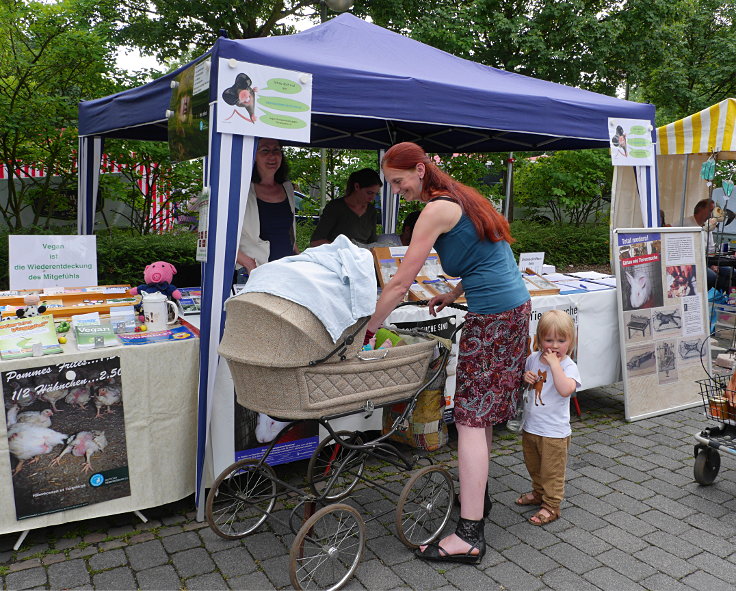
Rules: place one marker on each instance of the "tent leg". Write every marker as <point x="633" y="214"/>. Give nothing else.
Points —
<point x="21" y="537"/>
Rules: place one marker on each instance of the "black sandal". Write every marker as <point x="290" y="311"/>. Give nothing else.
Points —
<point x="470" y="532"/>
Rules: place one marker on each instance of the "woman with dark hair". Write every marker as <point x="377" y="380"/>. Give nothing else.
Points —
<point x="473" y="241"/>
<point x="269" y="230"/>
<point x="354" y="214"/>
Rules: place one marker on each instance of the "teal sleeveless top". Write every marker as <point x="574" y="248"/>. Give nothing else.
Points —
<point x="490" y="275"/>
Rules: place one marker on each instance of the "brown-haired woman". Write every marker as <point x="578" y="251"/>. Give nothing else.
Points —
<point x="473" y="241"/>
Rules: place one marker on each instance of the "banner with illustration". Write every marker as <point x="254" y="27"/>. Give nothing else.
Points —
<point x="189" y="115"/>
<point x="662" y="319"/>
<point x="262" y="101"/>
<point x="66" y="435"/>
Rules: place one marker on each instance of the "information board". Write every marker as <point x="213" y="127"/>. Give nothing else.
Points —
<point x="43" y="261"/>
<point x="662" y="311"/>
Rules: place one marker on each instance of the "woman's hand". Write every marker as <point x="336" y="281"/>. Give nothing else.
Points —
<point x="438" y="302"/>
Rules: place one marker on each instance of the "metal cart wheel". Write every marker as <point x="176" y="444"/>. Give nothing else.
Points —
<point x="327" y="549"/>
<point x="707" y="464"/>
<point x="241" y="499"/>
<point x="332" y="460"/>
<point x="424" y="506"/>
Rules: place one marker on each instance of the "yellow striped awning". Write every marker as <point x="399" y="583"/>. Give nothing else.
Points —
<point x="710" y="130"/>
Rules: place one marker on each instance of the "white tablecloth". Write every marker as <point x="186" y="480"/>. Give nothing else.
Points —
<point x="598" y="353"/>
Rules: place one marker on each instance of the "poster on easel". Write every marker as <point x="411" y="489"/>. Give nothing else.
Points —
<point x="66" y="435"/>
<point x="662" y="318"/>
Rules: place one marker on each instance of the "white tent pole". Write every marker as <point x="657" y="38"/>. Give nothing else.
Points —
<point x="322" y="179"/>
<point x="684" y="189"/>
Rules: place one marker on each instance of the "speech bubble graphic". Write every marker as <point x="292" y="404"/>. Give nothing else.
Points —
<point x="638" y="129"/>
<point x="283" y="121"/>
<point x="282" y="104"/>
<point x="283" y="85"/>
<point x="639" y="154"/>
<point x="639" y="142"/>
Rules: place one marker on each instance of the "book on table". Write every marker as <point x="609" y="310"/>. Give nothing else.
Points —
<point x="95" y="336"/>
<point x="24" y="337"/>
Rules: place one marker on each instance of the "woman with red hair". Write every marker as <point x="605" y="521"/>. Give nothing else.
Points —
<point x="473" y="241"/>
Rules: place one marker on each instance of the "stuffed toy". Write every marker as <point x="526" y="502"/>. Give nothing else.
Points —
<point x="31" y="307"/>
<point x="158" y="277"/>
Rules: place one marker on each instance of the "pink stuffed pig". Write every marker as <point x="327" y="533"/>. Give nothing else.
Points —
<point x="158" y="277"/>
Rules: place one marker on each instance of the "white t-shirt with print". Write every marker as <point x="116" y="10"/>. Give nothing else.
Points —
<point x="553" y="418"/>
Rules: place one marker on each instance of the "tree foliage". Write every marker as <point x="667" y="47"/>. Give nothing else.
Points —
<point x="570" y="185"/>
<point x="51" y="57"/>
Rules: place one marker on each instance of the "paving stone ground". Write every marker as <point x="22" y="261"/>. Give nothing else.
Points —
<point x="633" y="518"/>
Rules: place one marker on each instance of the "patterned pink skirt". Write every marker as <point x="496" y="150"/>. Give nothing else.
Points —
<point x="493" y="351"/>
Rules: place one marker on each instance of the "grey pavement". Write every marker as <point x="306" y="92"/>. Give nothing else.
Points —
<point x="633" y="519"/>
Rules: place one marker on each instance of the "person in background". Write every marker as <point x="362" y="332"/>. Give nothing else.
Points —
<point x="269" y="225"/>
<point x="354" y="214"/>
<point x="408" y="228"/>
<point x="716" y="276"/>
<point x="662" y="221"/>
<point x="473" y="241"/>
<point x="546" y="430"/>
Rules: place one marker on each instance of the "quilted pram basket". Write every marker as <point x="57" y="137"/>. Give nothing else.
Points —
<point x="269" y="343"/>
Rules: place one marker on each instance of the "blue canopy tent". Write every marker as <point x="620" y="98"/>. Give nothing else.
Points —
<point x="371" y="89"/>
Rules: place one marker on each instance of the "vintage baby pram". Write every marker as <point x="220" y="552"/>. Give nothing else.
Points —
<point x="285" y="364"/>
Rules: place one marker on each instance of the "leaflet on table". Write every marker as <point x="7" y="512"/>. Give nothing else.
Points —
<point x="190" y="301"/>
<point x="178" y="333"/>
<point x="95" y="336"/>
<point x="20" y="336"/>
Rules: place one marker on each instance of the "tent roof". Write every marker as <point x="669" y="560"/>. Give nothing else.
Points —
<point x="373" y="87"/>
<point x="710" y="130"/>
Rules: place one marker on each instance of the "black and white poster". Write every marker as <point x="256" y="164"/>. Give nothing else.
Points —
<point x="66" y="435"/>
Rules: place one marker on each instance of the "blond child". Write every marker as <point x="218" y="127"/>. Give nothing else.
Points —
<point x="553" y="377"/>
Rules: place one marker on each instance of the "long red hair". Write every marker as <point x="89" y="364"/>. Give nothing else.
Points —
<point x="488" y="222"/>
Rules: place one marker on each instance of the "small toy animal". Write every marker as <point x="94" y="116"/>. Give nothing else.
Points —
<point x="158" y="277"/>
<point x="32" y="307"/>
<point x="538" y="385"/>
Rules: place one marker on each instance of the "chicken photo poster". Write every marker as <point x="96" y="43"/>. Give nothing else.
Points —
<point x="66" y="435"/>
<point x="662" y="320"/>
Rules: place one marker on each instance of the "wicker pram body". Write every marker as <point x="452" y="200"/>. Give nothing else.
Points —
<point x="269" y="343"/>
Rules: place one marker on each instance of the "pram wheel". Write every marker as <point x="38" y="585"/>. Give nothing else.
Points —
<point x="327" y="549"/>
<point x="333" y="470"/>
<point x="707" y="464"/>
<point x="424" y="506"/>
<point x="241" y="499"/>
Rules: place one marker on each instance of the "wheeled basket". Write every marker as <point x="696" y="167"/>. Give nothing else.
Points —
<point x="719" y="402"/>
<point x="324" y="381"/>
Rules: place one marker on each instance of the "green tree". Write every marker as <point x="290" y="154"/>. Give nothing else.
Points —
<point x="700" y="45"/>
<point x="571" y="185"/>
<point x="51" y="57"/>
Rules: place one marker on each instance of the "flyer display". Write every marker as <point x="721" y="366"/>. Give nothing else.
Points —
<point x="662" y="319"/>
<point x="66" y="435"/>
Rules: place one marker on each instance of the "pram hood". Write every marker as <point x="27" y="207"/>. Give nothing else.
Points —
<point x="269" y="331"/>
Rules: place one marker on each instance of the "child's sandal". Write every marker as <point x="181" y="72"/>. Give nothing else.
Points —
<point x="530" y="498"/>
<point x="544" y="516"/>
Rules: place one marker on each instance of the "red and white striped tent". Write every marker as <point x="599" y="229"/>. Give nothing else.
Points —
<point x="161" y="213"/>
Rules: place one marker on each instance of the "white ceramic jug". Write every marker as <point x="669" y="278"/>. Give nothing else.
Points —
<point x="155" y="311"/>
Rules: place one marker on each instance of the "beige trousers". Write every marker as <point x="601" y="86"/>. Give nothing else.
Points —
<point x="546" y="460"/>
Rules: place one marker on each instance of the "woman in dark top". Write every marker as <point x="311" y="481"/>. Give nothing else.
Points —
<point x="269" y="230"/>
<point x="352" y="215"/>
<point x="473" y="241"/>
